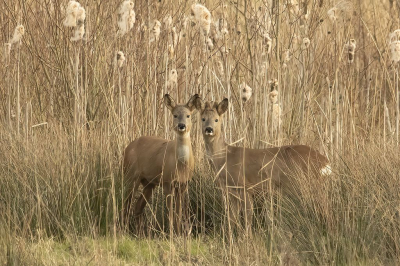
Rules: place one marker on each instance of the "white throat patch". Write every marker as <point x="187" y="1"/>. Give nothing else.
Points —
<point x="183" y="153"/>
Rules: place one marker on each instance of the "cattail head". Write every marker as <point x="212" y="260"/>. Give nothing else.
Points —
<point x="168" y="23"/>
<point x="268" y="43"/>
<point x="273" y="96"/>
<point x="155" y="30"/>
<point x="246" y="92"/>
<point x="286" y="56"/>
<point x="120" y="59"/>
<point x="273" y="83"/>
<point x="210" y="44"/>
<point x="394" y="44"/>
<point x="173" y="79"/>
<point x="342" y="10"/>
<point x="350" y="48"/>
<point x="171" y="51"/>
<point x="221" y="28"/>
<point x="74" y="9"/>
<point x="220" y="68"/>
<point x="126" y="17"/>
<point x="175" y="36"/>
<point x="79" y="32"/>
<point x="18" y="33"/>
<point x="201" y="16"/>
<point x="305" y="44"/>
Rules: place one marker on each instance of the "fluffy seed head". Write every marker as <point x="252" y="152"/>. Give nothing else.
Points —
<point x="173" y="79"/>
<point x="273" y="96"/>
<point x="168" y="23"/>
<point x="286" y="55"/>
<point x="210" y="44"/>
<point x="201" y="16"/>
<point x="78" y="33"/>
<point x="246" y="92"/>
<point x="155" y="30"/>
<point x="350" y="47"/>
<point x="126" y="17"/>
<point x="18" y="33"/>
<point x="220" y="68"/>
<point x="72" y="12"/>
<point x="305" y="44"/>
<point x="120" y="58"/>
<point x="342" y="10"/>
<point x="268" y="43"/>
<point x="171" y="51"/>
<point x="394" y="44"/>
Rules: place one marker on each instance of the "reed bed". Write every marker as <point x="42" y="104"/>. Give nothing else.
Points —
<point x="80" y="81"/>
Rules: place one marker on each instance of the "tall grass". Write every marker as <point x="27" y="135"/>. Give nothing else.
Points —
<point x="68" y="113"/>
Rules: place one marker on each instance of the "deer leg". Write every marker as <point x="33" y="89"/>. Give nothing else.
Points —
<point x="140" y="204"/>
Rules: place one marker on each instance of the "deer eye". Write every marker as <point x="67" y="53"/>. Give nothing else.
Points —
<point x="188" y="116"/>
<point x="203" y="119"/>
<point x="216" y="120"/>
<point x="175" y="116"/>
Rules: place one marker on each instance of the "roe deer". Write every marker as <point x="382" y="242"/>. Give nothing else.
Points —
<point x="242" y="172"/>
<point x="152" y="161"/>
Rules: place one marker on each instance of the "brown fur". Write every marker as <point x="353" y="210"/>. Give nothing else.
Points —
<point x="152" y="161"/>
<point x="242" y="172"/>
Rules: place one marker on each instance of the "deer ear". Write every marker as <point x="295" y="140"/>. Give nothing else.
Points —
<point x="222" y="106"/>
<point x="191" y="104"/>
<point x="169" y="102"/>
<point x="199" y="104"/>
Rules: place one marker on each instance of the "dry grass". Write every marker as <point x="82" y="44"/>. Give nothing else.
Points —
<point x="67" y="113"/>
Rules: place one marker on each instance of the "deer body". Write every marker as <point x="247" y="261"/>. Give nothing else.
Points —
<point x="152" y="161"/>
<point x="243" y="172"/>
<point x="251" y="168"/>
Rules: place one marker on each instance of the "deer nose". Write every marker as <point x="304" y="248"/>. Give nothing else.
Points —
<point x="181" y="127"/>
<point x="209" y="131"/>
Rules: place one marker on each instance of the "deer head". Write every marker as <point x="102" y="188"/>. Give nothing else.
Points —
<point x="182" y="122"/>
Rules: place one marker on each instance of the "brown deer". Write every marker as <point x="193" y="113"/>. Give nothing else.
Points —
<point x="152" y="161"/>
<point x="242" y="172"/>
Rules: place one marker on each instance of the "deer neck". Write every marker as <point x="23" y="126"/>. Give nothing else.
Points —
<point x="216" y="150"/>
<point x="184" y="154"/>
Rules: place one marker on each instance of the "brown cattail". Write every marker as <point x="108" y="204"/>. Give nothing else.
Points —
<point x="342" y="10"/>
<point x="268" y="43"/>
<point x="220" y="68"/>
<point x="74" y="9"/>
<point x="126" y="17"/>
<point x="155" y="30"/>
<point x="120" y="59"/>
<point x="246" y="92"/>
<point x="172" y="80"/>
<point x="210" y="44"/>
<point x="305" y="44"/>
<point x="394" y="44"/>
<point x="221" y="28"/>
<point x="276" y="108"/>
<point x="202" y="16"/>
<point x="18" y="33"/>
<point x="350" y="48"/>
<point x="171" y="51"/>
<point x="168" y="23"/>
<point x="273" y="84"/>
